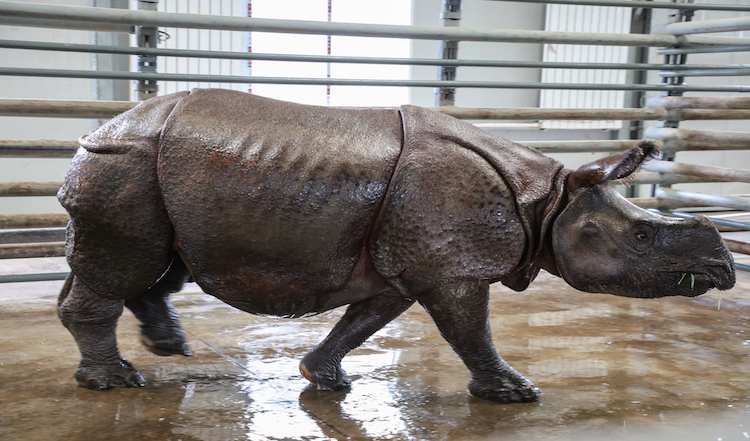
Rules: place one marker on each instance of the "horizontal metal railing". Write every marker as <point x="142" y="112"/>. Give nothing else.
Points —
<point x="67" y="14"/>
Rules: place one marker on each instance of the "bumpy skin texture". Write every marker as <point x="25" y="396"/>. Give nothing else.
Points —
<point x="283" y="209"/>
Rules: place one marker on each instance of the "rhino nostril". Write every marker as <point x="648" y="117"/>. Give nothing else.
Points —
<point x="721" y="274"/>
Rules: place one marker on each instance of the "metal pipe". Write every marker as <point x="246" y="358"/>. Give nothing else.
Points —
<point x="704" y="49"/>
<point x="29" y="188"/>
<point x="582" y="146"/>
<point x="653" y="203"/>
<point x="108" y="109"/>
<point x="478" y="113"/>
<point x="697" y="146"/>
<point x="741" y="139"/>
<point x="703" y="199"/>
<point x="226" y="55"/>
<point x="736" y="72"/>
<point x="56" y="73"/>
<point x="33" y="220"/>
<point x="66" y="14"/>
<point x="643" y="4"/>
<point x="42" y="277"/>
<point x="40" y="149"/>
<point x="648" y="178"/>
<point x="721" y="174"/>
<point x="715" y="220"/>
<point x="737" y="246"/>
<point x="681" y="102"/>
<point x="63" y="109"/>
<point x="44" y="249"/>
<point x="57" y="24"/>
<point x="32" y="235"/>
<point x="702" y="26"/>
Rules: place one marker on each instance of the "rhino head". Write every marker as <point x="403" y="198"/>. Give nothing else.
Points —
<point x="603" y="243"/>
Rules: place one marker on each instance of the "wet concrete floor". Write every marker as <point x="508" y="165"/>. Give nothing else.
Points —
<point x="610" y="368"/>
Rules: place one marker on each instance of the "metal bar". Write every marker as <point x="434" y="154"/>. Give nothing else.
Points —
<point x="582" y="146"/>
<point x="108" y="109"/>
<point x="716" y="221"/>
<point x="703" y="199"/>
<point x="681" y="102"/>
<point x="722" y="174"/>
<point x="33" y="220"/>
<point x="643" y="4"/>
<point x="737" y="246"/>
<point x="189" y="53"/>
<point x="729" y="72"/>
<point x="478" y="113"/>
<point x="58" y="24"/>
<point x="704" y="49"/>
<point x="654" y="203"/>
<point x="697" y="146"/>
<point x="711" y="136"/>
<point x="41" y="277"/>
<point x="31" y="235"/>
<point x="40" y="149"/>
<point x="63" y="109"/>
<point x="29" y="188"/>
<point x="44" y="249"/>
<point x="702" y="26"/>
<point x="56" y="73"/>
<point x="648" y="178"/>
<point x="66" y="14"/>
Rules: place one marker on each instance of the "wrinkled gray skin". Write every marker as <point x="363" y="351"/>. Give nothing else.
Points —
<point x="289" y="210"/>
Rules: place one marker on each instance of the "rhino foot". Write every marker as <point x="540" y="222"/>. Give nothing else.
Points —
<point x="174" y="345"/>
<point x="104" y="377"/>
<point x="504" y="393"/>
<point x="326" y="378"/>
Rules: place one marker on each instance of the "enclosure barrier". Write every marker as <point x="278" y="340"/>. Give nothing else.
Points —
<point x="46" y="239"/>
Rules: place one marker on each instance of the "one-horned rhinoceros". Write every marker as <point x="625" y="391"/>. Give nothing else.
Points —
<point x="289" y="210"/>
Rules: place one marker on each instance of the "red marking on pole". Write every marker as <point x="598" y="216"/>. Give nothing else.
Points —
<point x="250" y="45"/>
<point x="328" y="87"/>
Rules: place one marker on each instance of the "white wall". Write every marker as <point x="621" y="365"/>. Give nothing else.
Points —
<point x="18" y="128"/>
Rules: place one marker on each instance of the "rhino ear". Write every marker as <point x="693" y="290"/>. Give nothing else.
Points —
<point x="613" y="167"/>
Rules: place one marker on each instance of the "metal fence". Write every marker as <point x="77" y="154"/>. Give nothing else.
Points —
<point x="34" y="236"/>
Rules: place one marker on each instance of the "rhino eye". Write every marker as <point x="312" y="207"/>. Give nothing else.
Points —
<point x="643" y="236"/>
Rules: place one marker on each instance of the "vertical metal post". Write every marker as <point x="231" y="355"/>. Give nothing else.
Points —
<point x="110" y="90"/>
<point x="147" y="36"/>
<point x="640" y="23"/>
<point x="675" y="16"/>
<point x="451" y="16"/>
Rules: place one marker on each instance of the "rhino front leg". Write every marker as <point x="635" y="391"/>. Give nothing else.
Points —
<point x="92" y="320"/>
<point x="461" y="313"/>
<point x="161" y="332"/>
<point x="322" y="365"/>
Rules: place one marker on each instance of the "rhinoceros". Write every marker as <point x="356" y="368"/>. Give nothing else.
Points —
<point x="289" y="210"/>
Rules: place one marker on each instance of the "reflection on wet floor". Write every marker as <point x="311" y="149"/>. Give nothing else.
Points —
<point x="622" y="369"/>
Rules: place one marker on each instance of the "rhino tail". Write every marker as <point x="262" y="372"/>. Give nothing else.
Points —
<point x="65" y="289"/>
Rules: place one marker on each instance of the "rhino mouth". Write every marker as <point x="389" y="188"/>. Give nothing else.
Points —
<point x="696" y="282"/>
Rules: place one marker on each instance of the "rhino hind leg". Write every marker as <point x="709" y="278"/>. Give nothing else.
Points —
<point x="92" y="320"/>
<point x="460" y="312"/>
<point x="161" y="332"/>
<point x="322" y="365"/>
